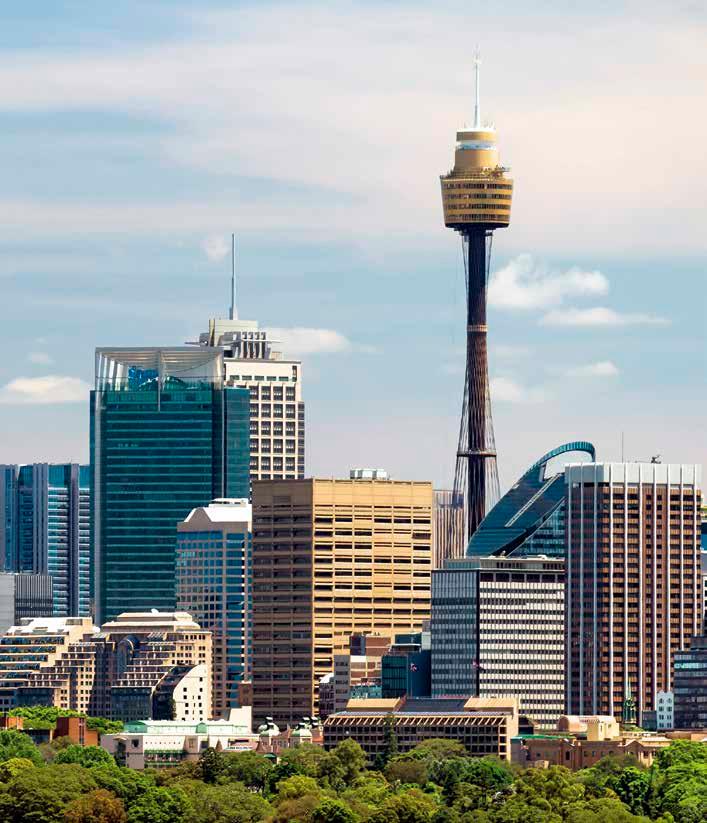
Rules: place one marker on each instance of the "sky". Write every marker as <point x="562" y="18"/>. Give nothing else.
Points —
<point x="136" y="136"/>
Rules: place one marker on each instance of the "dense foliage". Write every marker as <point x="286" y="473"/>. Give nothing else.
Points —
<point x="45" y="717"/>
<point x="435" y="783"/>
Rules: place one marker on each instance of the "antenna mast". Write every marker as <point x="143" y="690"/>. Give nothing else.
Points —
<point x="477" y="101"/>
<point x="233" y="314"/>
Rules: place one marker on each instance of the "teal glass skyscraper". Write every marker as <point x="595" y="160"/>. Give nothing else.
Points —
<point x="44" y="511"/>
<point x="166" y="437"/>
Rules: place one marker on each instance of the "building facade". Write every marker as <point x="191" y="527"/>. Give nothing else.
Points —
<point x="46" y="529"/>
<point x="331" y="558"/>
<point x="214" y="584"/>
<point x="138" y="666"/>
<point x="24" y="595"/>
<point x="406" y="670"/>
<point x="449" y="526"/>
<point x="166" y="437"/>
<point x="277" y="415"/>
<point x="498" y="629"/>
<point x="158" y="744"/>
<point x="483" y="726"/>
<point x="633" y="572"/>
<point x="690" y="685"/>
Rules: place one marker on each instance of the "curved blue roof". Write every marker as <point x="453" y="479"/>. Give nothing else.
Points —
<point x="529" y="504"/>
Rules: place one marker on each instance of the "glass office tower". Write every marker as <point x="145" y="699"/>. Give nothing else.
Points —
<point x="46" y="529"/>
<point x="166" y="437"/>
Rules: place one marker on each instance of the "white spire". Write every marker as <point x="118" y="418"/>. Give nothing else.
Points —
<point x="477" y="100"/>
<point x="233" y="313"/>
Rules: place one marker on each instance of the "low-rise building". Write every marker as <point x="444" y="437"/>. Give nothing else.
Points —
<point x="579" y="742"/>
<point x="160" y="743"/>
<point x="484" y="726"/>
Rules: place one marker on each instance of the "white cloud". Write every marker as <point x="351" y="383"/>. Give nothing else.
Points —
<point x="301" y="340"/>
<point x="505" y="390"/>
<point x="510" y="352"/>
<point x="599" y="316"/>
<point x="603" y="368"/>
<point x="526" y="284"/>
<point x="47" y="390"/>
<point x="40" y="358"/>
<point x="216" y="247"/>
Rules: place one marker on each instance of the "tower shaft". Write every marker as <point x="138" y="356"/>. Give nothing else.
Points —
<point x="480" y="452"/>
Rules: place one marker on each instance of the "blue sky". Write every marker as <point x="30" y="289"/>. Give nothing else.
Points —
<point x="134" y="137"/>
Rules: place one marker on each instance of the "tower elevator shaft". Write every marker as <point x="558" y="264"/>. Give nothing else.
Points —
<point x="477" y="443"/>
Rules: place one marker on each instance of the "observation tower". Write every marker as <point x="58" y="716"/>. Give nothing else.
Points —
<point x="476" y="197"/>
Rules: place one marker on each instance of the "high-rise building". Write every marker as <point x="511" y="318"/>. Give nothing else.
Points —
<point x="476" y="197"/>
<point x="633" y="577"/>
<point x="498" y="629"/>
<point x="449" y="526"/>
<point x="406" y="668"/>
<point x="497" y="614"/>
<point x="214" y="571"/>
<point x="331" y="558"/>
<point x="45" y="529"/>
<point x="166" y="436"/>
<point x="155" y="665"/>
<point x="690" y="685"/>
<point x="24" y="595"/>
<point x="252" y="361"/>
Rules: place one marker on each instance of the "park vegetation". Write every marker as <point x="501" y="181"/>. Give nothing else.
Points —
<point x="437" y="782"/>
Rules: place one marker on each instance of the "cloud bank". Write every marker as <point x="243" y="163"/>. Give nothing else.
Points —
<point x="48" y="390"/>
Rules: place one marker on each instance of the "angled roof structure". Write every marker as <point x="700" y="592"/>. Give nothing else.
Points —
<point x="526" y="507"/>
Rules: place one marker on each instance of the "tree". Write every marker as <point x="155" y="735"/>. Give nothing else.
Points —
<point x="602" y="810"/>
<point x="127" y="784"/>
<point x="410" y="807"/>
<point x="332" y="811"/>
<point x="681" y="751"/>
<point x="632" y="786"/>
<point x="99" y="806"/>
<point x="212" y="765"/>
<point x="438" y="748"/>
<point x="297" y="786"/>
<point x="86" y="756"/>
<point x="159" y="804"/>
<point x="42" y="795"/>
<point x="681" y="790"/>
<point x="348" y="759"/>
<point x="391" y="737"/>
<point x="14" y="766"/>
<point x="227" y="803"/>
<point x="247" y="767"/>
<point x="407" y="769"/>
<point x="17" y="744"/>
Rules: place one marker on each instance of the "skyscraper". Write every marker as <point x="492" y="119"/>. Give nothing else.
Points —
<point x="498" y="624"/>
<point x="166" y="436"/>
<point x="476" y="197"/>
<point x="498" y="629"/>
<point x="449" y="526"/>
<point x="331" y="558"/>
<point x="214" y="571"/>
<point x="44" y="512"/>
<point x="633" y="575"/>
<point x="251" y="361"/>
<point x="24" y="595"/>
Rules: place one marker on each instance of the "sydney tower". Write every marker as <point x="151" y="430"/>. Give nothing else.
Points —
<point x="476" y="196"/>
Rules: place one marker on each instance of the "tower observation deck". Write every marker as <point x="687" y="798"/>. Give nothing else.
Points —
<point x="476" y="198"/>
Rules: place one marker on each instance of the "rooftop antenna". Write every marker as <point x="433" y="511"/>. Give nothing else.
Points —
<point x="477" y="101"/>
<point x="233" y="313"/>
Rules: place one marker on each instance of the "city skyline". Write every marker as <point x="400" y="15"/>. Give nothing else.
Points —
<point x="130" y="158"/>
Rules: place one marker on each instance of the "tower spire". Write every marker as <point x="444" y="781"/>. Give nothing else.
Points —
<point x="233" y="312"/>
<point x="477" y="98"/>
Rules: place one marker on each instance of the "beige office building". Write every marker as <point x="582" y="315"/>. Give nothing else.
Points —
<point x="331" y="558"/>
<point x="251" y="360"/>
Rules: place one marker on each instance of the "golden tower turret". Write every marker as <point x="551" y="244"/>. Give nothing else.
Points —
<point x="476" y="198"/>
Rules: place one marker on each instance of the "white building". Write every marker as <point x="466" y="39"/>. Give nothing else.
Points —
<point x="214" y="584"/>
<point x="276" y="405"/>
<point x="665" y="711"/>
<point x="161" y="743"/>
